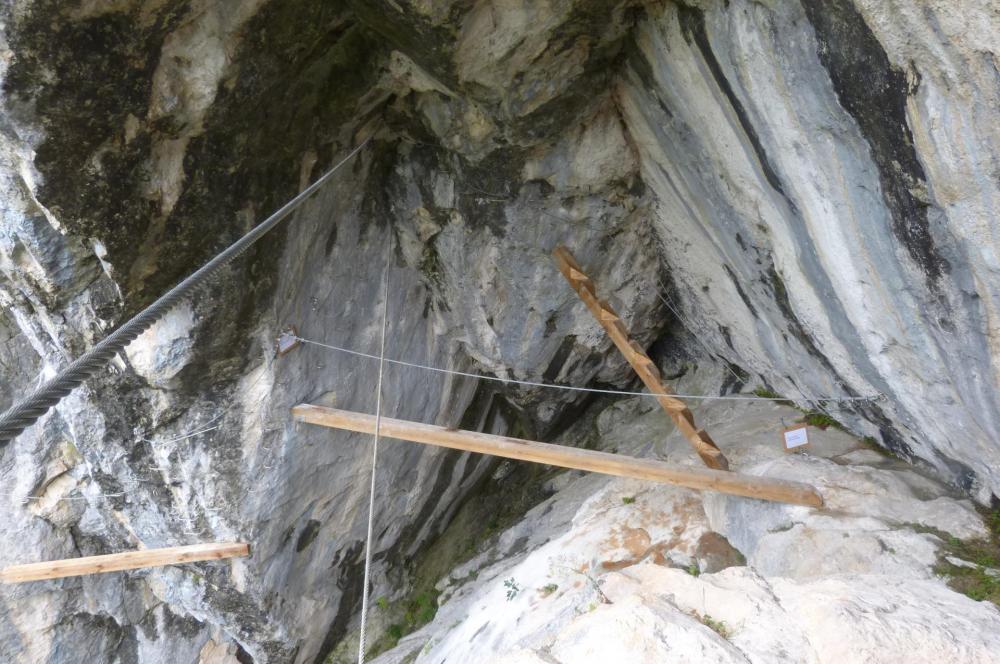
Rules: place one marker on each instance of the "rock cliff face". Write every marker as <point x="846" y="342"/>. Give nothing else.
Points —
<point x="804" y="193"/>
<point x="609" y="569"/>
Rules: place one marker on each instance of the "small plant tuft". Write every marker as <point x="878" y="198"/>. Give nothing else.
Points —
<point x="765" y="393"/>
<point x="717" y="626"/>
<point x="993" y="521"/>
<point x="395" y="632"/>
<point x="976" y="582"/>
<point x="512" y="588"/>
<point x="548" y="589"/>
<point x="822" y="421"/>
<point x="693" y="569"/>
<point x="409" y="615"/>
<point x="628" y="500"/>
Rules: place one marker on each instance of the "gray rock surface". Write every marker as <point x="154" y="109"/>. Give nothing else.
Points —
<point x="813" y="185"/>
<point x="613" y="569"/>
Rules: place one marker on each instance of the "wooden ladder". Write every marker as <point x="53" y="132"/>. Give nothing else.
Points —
<point x="636" y="356"/>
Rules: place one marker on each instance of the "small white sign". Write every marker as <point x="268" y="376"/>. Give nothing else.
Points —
<point x="796" y="438"/>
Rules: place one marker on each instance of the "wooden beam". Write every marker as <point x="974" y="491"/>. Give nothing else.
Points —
<point x="633" y="352"/>
<point x="116" y="562"/>
<point x="751" y="486"/>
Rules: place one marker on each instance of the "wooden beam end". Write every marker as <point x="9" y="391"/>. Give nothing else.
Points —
<point x="714" y="459"/>
<point x="301" y="412"/>
<point x="562" y="253"/>
<point x="117" y="562"/>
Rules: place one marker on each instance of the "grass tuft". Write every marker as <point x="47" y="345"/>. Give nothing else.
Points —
<point x="821" y="421"/>
<point x="765" y="393"/>
<point x="411" y="613"/>
<point x="717" y="626"/>
<point x="548" y="589"/>
<point x="974" y="582"/>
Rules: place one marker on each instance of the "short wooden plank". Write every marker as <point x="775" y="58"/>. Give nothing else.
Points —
<point x="636" y="356"/>
<point x="116" y="562"/>
<point x="750" y="486"/>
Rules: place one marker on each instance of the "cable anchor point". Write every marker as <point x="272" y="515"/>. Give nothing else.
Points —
<point x="287" y="341"/>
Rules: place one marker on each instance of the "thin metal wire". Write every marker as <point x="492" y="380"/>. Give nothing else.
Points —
<point x="818" y="402"/>
<point x="378" y="425"/>
<point x="694" y="334"/>
<point x="188" y="435"/>
<point x="536" y="204"/>
<point x="575" y="388"/>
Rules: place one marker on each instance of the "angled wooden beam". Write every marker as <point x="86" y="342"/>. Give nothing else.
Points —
<point x="636" y="356"/>
<point x="116" y="562"/>
<point x="751" y="486"/>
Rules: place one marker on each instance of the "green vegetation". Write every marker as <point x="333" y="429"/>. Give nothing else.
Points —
<point x="395" y="633"/>
<point x="628" y="500"/>
<point x="821" y="420"/>
<point x="993" y="521"/>
<point x="498" y="502"/>
<point x="717" y="626"/>
<point x="765" y="393"/>
<point x="492" y="509"/>
<point x="410" y="614"/>
<point x="512" y="588"/>
<point x="815" y="418"/>
<point x="693" y="569"/>
<point x="548" y="589"/>
<point x="976" y="582"/>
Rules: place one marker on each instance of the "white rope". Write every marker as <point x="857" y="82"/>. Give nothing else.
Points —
<point x="575" y="388"/>
<point x="378" y="423"/>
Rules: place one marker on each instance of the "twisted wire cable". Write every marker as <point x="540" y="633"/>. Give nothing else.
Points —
<point x="27" y="411"/>
<point x="369" y="544"/>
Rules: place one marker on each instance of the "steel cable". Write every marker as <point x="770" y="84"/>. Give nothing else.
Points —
<point x="27" y="411"/>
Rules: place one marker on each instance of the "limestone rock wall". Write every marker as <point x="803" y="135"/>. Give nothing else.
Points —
<point x="811" y="183"/>
<point x="616" y="569"/>
<point x="843" y="246"/>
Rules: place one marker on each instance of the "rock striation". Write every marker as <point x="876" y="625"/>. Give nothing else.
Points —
<point x="803" y="193"/>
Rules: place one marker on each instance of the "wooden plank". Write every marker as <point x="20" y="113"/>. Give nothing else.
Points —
<point x="116" y="562"/>
<point x="636" y="356"/>
<point x="750" y="486"/>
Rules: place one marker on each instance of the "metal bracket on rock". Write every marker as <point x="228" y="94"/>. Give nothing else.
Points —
<point x="287" y="341"/>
